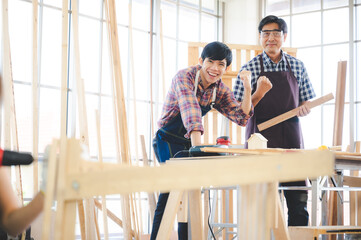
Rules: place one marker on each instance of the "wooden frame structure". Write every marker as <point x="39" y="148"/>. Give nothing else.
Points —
<point x="83" y="179"/>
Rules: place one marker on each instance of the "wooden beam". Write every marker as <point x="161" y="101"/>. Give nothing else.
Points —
<point x="185" y="174"/>
<point x="285" y="116"/>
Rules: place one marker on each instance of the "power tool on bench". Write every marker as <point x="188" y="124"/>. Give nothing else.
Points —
<point x="222" y="142"/>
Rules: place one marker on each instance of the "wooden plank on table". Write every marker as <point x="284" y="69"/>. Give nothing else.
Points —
<point x="285" y="116"/>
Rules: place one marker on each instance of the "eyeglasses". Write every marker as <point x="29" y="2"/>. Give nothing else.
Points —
<point x="275" y="32"/>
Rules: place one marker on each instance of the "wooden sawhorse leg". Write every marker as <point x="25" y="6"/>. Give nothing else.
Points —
<point x="173" y="204"/>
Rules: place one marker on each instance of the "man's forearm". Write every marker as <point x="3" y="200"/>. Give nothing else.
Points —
<point x="19" y="219"/>
<point x="196" y="138"/>
<point x="246" y="103"/>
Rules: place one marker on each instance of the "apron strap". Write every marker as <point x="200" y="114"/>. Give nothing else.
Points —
<point x="196" y="84"/>
<point x="214" y="95"/>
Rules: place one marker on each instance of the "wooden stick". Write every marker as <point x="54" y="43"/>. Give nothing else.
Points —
<point x="138" y="220"/>
<point x="6" y="68"/>
<point x="151" y="68"/>
<point x="111" y="215"/>
<point x="100" y="158"/>
<point x="82" y="113"/>
<point x="169" y="215"/>
<point x="283" y="117"/>
<point x="35" y="93"/>
<point x="162" y="51"/>
<point x="151" y="197"/>
<point x="339" y="103"/>
<point x="120" y="104"/>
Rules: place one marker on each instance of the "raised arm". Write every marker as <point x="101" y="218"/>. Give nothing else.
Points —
<point x="13" y="218"/>
<point x="263" y="86"/>
<point x="245" y="76"/>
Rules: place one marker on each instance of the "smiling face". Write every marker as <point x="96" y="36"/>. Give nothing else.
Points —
<point x="272" y="44"/>
<point x="212" y="70"/>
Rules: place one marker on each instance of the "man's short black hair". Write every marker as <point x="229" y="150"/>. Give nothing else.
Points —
<point x="217" y="51"/>
<point x="282" y="25"/>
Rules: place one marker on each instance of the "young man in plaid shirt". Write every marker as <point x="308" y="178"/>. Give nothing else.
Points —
<point x="195" y="91"/>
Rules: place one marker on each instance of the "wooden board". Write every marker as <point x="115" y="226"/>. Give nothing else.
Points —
<point x="285" y="116"/>
<point x="193" y="174"/>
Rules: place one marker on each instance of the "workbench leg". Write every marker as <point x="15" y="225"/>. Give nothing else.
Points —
<point x="315" y="193"/>
<point x="195" y="208"/>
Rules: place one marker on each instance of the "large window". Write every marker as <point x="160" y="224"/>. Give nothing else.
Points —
<point x="174" y="24"/>
<point x="320" y="31"/>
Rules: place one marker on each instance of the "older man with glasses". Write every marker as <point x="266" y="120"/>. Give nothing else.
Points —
<point x="279" y="83"/>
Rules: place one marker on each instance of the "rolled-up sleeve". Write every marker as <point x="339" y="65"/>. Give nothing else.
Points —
<point x="231" y="108"/>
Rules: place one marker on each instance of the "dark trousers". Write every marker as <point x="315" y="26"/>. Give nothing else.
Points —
<point x="158" y="215"/>
<point x="297" y="204"/>
<point x="163" y="151"/>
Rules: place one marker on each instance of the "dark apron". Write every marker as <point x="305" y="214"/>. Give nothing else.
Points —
<point x="283" y="96"/>
<point x="170" y="138"/>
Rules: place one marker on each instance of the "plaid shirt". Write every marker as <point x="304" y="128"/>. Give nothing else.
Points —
<point x="306" y="91"/>
<point x="180" y="98"/>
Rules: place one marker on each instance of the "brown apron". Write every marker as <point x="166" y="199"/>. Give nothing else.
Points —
<point x="283" y="96"/>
